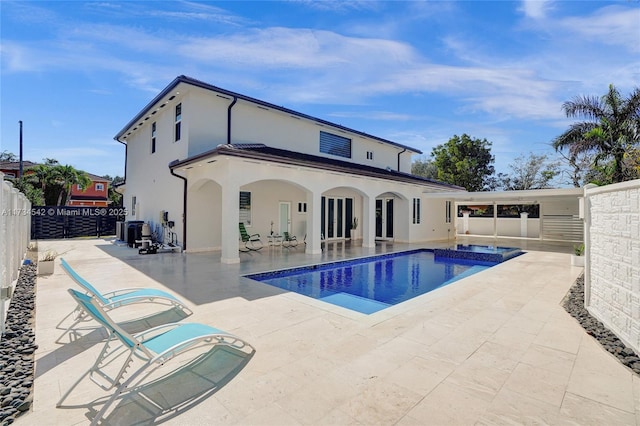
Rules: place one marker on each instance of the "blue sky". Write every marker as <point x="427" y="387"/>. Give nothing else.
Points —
<point x="414" y="72"/>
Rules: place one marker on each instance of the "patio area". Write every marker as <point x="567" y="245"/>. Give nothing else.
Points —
<point x="493" y="348"/>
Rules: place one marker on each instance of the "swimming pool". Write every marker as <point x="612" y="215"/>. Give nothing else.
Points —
<point x="368" y="285"/>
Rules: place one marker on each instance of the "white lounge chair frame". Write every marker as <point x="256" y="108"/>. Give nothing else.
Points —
<point x="154" y="347"/>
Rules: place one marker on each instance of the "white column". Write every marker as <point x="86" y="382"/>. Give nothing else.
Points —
<point x="524" y="219"/>
<point x="230" y="216"/>
<point x="465" y="222"/>
<point x="368" y="221"/>
<point x="314" y="225"/>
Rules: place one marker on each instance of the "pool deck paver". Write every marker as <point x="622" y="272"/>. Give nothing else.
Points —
<point x="493" y="348"/>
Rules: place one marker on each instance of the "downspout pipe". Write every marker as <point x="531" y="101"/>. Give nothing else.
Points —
<point x="400" y="153"/>
<point x="126" y="156"/>
<point x="235" y="99"/>
<point x="184" y="204"/>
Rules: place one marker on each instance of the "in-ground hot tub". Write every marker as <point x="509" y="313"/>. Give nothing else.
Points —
<point x="479" y="252"/>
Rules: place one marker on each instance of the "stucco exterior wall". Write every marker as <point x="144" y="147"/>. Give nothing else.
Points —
<point x="148" y="177"/>
<point x="612" y="277"/>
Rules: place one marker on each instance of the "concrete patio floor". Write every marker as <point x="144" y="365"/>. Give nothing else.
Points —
<point x="493" y="348"/>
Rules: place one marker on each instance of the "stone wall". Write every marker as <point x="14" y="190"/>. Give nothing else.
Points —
<point x="612" y="271"/>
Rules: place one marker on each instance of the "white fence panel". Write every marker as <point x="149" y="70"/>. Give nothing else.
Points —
<point x="15" y="233"/>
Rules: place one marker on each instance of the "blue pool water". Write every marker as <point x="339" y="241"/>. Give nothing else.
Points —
<point x="371" y="284"/>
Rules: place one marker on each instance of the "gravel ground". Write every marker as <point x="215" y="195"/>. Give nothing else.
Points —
<point x="574" y="305"/>
<point x="17" y="349"/>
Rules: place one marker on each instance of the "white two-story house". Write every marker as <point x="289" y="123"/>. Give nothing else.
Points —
<point x="210" y="158"/>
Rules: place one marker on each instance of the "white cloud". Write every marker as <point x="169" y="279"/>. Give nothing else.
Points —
<point x="302" y="65"/>
<point x="612" y="25"/>
<point x="536" y="9"/>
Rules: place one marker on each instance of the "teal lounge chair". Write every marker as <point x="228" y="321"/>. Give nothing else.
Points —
<point x="154" y="347"/>
<point x="252" y="242"/>
<point x="117" y="298"/>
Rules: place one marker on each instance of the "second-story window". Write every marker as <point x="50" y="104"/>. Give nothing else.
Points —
<point x="153" y="137"/>
<point x="335" y="145"/>
<point x="178" y="123"/>
<point x="369" y="155"/>
<point x="99" y="186"/>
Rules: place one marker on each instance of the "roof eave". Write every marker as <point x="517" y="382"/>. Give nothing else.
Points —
<point x="206" y="86"/>
<point x="222" y="150"/>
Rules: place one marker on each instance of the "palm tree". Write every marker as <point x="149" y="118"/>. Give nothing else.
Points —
<point x="41" y="175"/>
<point x="610" y="129"/>
<point x="68" y="176"/>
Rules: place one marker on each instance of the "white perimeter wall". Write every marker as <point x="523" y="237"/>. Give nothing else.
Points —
<point x="612" y="278"/>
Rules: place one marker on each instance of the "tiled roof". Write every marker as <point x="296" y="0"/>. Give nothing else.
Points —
<point x="264" y="152"/>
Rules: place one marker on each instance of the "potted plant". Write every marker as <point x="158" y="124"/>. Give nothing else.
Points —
<point x="354" y="229"/>
<point x="577" y="258"/>
<point x="46" y="262"/>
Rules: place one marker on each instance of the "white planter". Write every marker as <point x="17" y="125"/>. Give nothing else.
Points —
<point x="577" y="260"/>
<point x="355" y="234"/>
<point x="45" y="267"/>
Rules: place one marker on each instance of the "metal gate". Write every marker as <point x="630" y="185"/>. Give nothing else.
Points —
<point x="49" y="222"/>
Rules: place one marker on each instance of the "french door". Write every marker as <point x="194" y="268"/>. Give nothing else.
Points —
<point x="384" y="218"/>
<point x="336" y="217"/>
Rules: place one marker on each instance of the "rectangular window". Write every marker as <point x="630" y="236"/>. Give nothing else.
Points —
<point x="447" y="212"/>
<point x="416" y="210"/>
<point x="480" y="210"/>
<point x="245" y="207"/>
<point x="153" y="137"/>
<point x="178" y="122"/>
<point x="369" y="155"/>
<point x="133" y="205"/>
<point x="302" y="207"/>
<point x="514" y="210"/>
<point x="99" y="186"/>
<point x="335" y="145"/>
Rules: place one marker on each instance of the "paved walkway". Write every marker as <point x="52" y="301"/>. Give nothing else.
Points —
<point x="493" y="348"/>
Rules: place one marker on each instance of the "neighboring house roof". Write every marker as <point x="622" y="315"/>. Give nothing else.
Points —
<point x="263" y="152"/>
<point x="203" y="85"/>
<point x="96" y="178"/>
<point x="15" y="165"/>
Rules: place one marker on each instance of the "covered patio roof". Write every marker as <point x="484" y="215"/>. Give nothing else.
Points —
<point x="525" y="196"/>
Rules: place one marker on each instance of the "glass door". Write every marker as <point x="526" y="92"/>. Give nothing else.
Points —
<point x="334" y="217"/>
<point x="384" y="218"/>
<point x="284" y="223"/>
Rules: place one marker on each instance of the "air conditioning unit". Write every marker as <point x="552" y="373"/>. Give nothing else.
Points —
<point x="120" y="230"/>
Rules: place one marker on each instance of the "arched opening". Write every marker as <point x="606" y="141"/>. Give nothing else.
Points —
<point x="391" y="217"/>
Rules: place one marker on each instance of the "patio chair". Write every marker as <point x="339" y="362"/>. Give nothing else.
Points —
<point x="289" y="240"/>
<point x="153" y="347"/>
<point x="117" y="298"/>
<point x="251" y="242"/>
